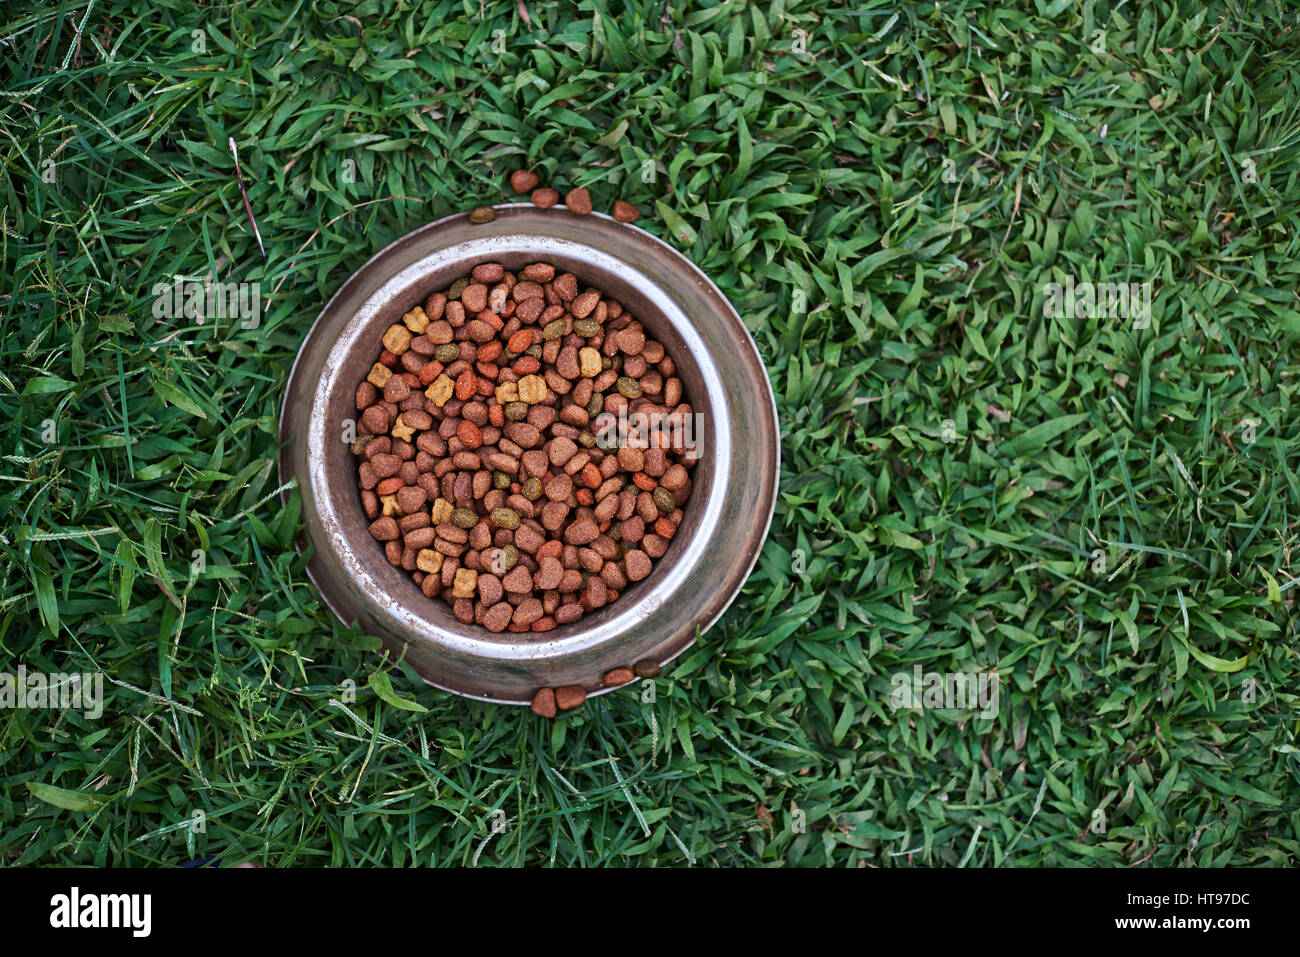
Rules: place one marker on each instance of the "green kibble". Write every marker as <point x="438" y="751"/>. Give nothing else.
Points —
<point x="532" y="489"/>
<point x="616" y="363"/>
<point x="586" y="327"/>
<point x="534" y="350"/>
<point x="482" y="214"/>
<point x="516" y="411"/>
<point x="664" y="500"/>
<point x="553" y="330"/>
<point x="457" y="288"/>
<point x="595" y="405"/>
<point x="504" y="518"/>
<point x="447" y="353"/>
<point x="464" y="518"/>
<point x="509" y="557"/>
<point x="501" y="480"/>
<point x="646" y="668"/>
<point x="629" y="387"/>
<point x="586" y="439"/>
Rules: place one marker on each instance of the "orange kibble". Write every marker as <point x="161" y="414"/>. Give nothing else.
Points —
<point x="665" y="528"/>
<point x="545" y="623"/>
<point x="487" y="370"/>
<point x="591" y="476"/>
<point x="520" y="341"/>
<point x="644" y="482"/>
<point x="389" y="486"/>
<point x="492" y="319"/>
<point x="585" y="496"/>
<point x="497" y="416"/>
<point x="466" y="385"/>
<point x="429" y="372"/>
<point x="387" y="358"/>
<point x="526" y="365"/>
<point x="489" y="351"/>
<point x="469" y="434"/>
<point x="551" y="549"/>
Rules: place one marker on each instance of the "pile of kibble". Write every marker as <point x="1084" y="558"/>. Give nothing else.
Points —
<point x="521" y="448"/>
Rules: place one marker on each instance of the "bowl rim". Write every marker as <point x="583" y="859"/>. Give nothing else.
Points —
<point x="755" y="536"/>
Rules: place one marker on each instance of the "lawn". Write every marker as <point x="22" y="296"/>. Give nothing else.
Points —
<point x="978" y="476"/>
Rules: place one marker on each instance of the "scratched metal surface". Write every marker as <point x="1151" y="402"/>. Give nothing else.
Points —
<point x="726" y="518"/>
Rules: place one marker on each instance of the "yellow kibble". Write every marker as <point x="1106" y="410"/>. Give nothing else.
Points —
<point x="379" y="375"/>
<point x="465" y="583"/>
<point x="397" y="339"/>
<point x="589" y="362"/>
<point x="508" y="392"/>
<point x="441" y="390"/>
<point x="441" y="511"/>
<point x="532" y="389"/>
<point x="390" y="505"/>
<point x="416" y="320"/>
<point x="402" y="431"/>
<point x="428" y="561"/>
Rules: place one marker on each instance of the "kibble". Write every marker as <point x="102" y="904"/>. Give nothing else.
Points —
<point x="578" y="201"/>
<point x="523" y="181"/>
<point x="479" y="465"/>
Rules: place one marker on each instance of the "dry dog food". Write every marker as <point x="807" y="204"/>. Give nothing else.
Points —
<point x="523" y="451"/>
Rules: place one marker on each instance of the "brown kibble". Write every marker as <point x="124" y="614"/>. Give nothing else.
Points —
<point x="411" y="498"/>
<point x="568" y="614"/>
<point x="674" y="478"/>
<point x="544" y="703"/>
<point x="638" y="564"/>
<point x="545" y="197"/>
<point x="583" y="530"/>
<point x="625" y="212"/>
<point x="619" y="676"/>
<point x="523" y="181"/>
<point x="570" y="696"/>
<point x="578" y="201"/>
<point x="384" y="529"/>
<point x="549" y="574"/>
<point x="518" y="581"/>
<point x="496" y="618"/>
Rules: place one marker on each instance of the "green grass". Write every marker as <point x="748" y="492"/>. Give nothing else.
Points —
<point x="812" y="176"/>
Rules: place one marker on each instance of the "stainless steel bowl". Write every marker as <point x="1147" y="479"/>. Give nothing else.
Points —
<point x="726" y="518"/>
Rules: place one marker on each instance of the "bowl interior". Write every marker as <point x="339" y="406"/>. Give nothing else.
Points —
<point x="341" y="464"/>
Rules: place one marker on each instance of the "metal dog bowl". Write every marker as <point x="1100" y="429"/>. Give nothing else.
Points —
<point x="734" y="483"/>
